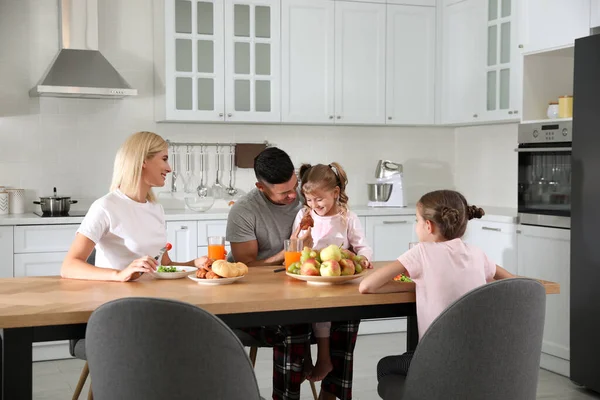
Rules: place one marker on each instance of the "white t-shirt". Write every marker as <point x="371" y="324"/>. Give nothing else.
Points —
<point x="124" y="229"/>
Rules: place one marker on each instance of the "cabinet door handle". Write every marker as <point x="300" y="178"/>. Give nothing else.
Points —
<point x="510" y="113"/>
<point x="331" y="117"/>
<point x="220" y="114"/>
<point x="475" y="115"/>
<point x="183" y="227"/>
<point x="394" y="222"/>
<point x="487" y="228"/>
<point x="516" y="112"/>
<point x="229" y="114"/>
<point x="339" y="117"/>
<point x="518" y="231"/>
<point x="390" y="118"/>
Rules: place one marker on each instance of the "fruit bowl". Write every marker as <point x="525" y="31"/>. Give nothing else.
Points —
<point x="326" y="280"/>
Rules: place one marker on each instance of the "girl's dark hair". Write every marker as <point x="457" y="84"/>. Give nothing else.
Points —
<point x="325" y="177"/>
<point x="449" y="211"/>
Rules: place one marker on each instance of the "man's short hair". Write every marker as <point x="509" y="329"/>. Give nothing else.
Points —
<point x="273" y="166"/>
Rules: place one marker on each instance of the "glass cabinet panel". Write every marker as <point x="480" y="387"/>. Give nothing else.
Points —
<point x="499" y="49"/>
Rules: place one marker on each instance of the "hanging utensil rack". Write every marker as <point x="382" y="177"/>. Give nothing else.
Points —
<point x="175" y="146"/>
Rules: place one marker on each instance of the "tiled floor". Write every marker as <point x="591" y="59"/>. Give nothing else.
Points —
<point x="55" y="380"/>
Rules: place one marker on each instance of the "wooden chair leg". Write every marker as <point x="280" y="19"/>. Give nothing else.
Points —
<point x="84" y="374"/>
<point x="314" y="390"/>
<point x="253" y="351"/>
<point x="90" y="394"/>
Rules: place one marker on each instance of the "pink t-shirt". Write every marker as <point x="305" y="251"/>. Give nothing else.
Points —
<point x="443" y="272"/>
<point x="346" y="232"/>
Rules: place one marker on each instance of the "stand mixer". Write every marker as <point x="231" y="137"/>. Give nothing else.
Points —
<point x="389" y="189"/>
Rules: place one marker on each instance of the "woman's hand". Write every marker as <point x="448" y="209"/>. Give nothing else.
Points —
<point x="137" y="268"/>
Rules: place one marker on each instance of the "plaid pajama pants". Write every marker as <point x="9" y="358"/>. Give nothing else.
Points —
<point x="289" y="347"/>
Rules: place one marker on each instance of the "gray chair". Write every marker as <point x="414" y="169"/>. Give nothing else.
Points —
<point x="77" y="350"/>
<point x="249" y="341"/>
<point x="156" y="349"/>
<point x="485" y="346"/>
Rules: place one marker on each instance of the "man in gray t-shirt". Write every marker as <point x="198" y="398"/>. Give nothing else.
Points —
<point x="258" y="223"/>
<point x="257" y="226"/>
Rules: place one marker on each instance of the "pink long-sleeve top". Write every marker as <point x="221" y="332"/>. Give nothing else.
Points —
<point x="344" y="230"/>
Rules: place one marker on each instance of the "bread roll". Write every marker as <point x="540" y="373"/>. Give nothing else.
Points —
<point x="229" y="270"/>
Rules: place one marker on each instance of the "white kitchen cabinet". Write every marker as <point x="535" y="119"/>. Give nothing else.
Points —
<point x="211" y="228"/>
<point x="544" y="253"/>
<point x="38" y="264"/>
<point x="44" y="238"/>
<point x="497" y="240"/>
<point x="252" y="60"/>
<point x="463" y="61"/>
<point x="6" y="250"/>
<point x="183" y="236"/>
<point x="595" y="14"/>
<point x="503" y="67"/>
<point x="189" y="60"/>
<point x="426" y="3"/>
<point x="410" y="95"/>
<point x="550" y="24"/>
<point x="390" y="235"/>
<point x="360" y="62"/>
<point x="307" y="61"/>
<point x="217" y="60"/>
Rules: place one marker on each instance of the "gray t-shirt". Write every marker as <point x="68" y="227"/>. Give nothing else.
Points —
<point x="254" y="217"/>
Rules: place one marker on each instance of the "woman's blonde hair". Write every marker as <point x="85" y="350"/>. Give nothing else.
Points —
<point x="130" y="158"/>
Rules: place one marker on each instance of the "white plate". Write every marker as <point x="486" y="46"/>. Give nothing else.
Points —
<point x="326" y="280"/>
<point x="214" y="282"/>
<point x="182" y="272"/>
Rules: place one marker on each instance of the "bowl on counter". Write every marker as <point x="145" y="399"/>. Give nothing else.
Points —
<point x="379" y="191"/>
<point x="199" y="203"/>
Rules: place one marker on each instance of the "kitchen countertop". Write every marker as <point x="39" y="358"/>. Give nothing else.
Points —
<point x="493" y="214"/>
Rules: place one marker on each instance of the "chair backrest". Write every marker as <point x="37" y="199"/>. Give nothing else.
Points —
<point x="156" y="349"/>
<point x="485" y="346"/>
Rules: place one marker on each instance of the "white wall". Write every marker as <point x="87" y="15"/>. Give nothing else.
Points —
<point x="486" y="164"/>
<point x="70" y="143"/>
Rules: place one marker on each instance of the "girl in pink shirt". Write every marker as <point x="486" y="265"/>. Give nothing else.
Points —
<point x="326" y="202"/>
<point x="442" y="266"/>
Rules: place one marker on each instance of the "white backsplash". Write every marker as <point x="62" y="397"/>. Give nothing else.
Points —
<point x="486" y="164"/>
<point x="71" y="143"/>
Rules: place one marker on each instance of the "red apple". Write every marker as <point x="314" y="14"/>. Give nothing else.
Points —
<point x="347" y="254"/>
<point x="331" y="268"/>
<point x="310" y="267"/>
<point x="347" y="266"/>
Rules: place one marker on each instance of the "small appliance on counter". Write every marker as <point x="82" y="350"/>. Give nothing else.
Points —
<point x="389" y="189"/>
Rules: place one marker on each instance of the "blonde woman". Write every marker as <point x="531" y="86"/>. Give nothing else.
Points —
<point x="126" y="226"/>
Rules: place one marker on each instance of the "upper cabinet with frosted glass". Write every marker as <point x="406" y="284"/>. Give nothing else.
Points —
<point x="217" y="60"/>
<point x="503" y="67"/>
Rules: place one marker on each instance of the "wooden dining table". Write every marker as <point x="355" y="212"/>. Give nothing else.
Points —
<point x="39" y="309"/>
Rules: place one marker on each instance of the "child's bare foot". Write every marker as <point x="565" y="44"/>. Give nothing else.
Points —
<point x="321" y="369"/>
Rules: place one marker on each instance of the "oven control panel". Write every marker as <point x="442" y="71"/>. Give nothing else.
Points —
<point x="544" y="132"/>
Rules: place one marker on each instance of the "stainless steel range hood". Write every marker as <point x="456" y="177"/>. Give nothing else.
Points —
<point x="79" y="69"/>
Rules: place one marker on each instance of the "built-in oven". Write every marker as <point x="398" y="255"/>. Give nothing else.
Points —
<point x="544" y="176"/>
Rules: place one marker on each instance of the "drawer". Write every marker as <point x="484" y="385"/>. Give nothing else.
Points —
<point x="210" y="228"/>
<point x="38" y="264"/>
<point x="203" y="250"/>
<point x="44" y="238"/>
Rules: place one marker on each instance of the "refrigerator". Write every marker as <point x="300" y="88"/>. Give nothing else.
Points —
<point x="585" y="216"/>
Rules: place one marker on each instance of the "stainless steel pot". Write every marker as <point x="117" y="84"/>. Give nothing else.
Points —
<point x="55" y="205"/>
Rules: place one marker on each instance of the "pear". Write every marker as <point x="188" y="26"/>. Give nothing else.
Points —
<point x="331" y="252"/>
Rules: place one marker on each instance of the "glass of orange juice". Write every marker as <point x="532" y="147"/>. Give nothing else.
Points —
<point x="293" y="250"/>
<point x="216" y="247"/>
